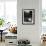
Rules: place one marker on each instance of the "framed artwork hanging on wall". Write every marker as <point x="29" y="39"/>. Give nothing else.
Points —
<point x="28" y="16"/>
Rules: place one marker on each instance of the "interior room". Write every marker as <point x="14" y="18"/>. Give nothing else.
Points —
<point x="22" y="22"/>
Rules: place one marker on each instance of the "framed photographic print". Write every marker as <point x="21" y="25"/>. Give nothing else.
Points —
<point x="28" y="16"/>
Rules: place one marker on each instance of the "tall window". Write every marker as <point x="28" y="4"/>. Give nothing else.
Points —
<point x="44" y="16"/>
<point x="8" y="11"/>
<point x="43" y="12"/>
<point x="11" y="11"/>
<point x="1" y="8"/>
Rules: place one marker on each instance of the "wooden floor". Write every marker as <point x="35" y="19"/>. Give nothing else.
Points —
<point x="2" y="43"/>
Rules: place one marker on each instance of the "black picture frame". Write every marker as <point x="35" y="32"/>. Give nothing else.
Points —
<point x="28" y="16"/>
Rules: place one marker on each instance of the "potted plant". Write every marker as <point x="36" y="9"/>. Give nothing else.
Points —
<point x="1" y="22"/>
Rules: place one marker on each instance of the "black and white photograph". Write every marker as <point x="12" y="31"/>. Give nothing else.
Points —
<point x="28" y="16"/>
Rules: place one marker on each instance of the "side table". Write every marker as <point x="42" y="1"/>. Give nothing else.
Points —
<point x="1" y="34"/>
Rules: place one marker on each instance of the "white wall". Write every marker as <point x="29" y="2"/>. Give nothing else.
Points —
<point x="31" y="32"/>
